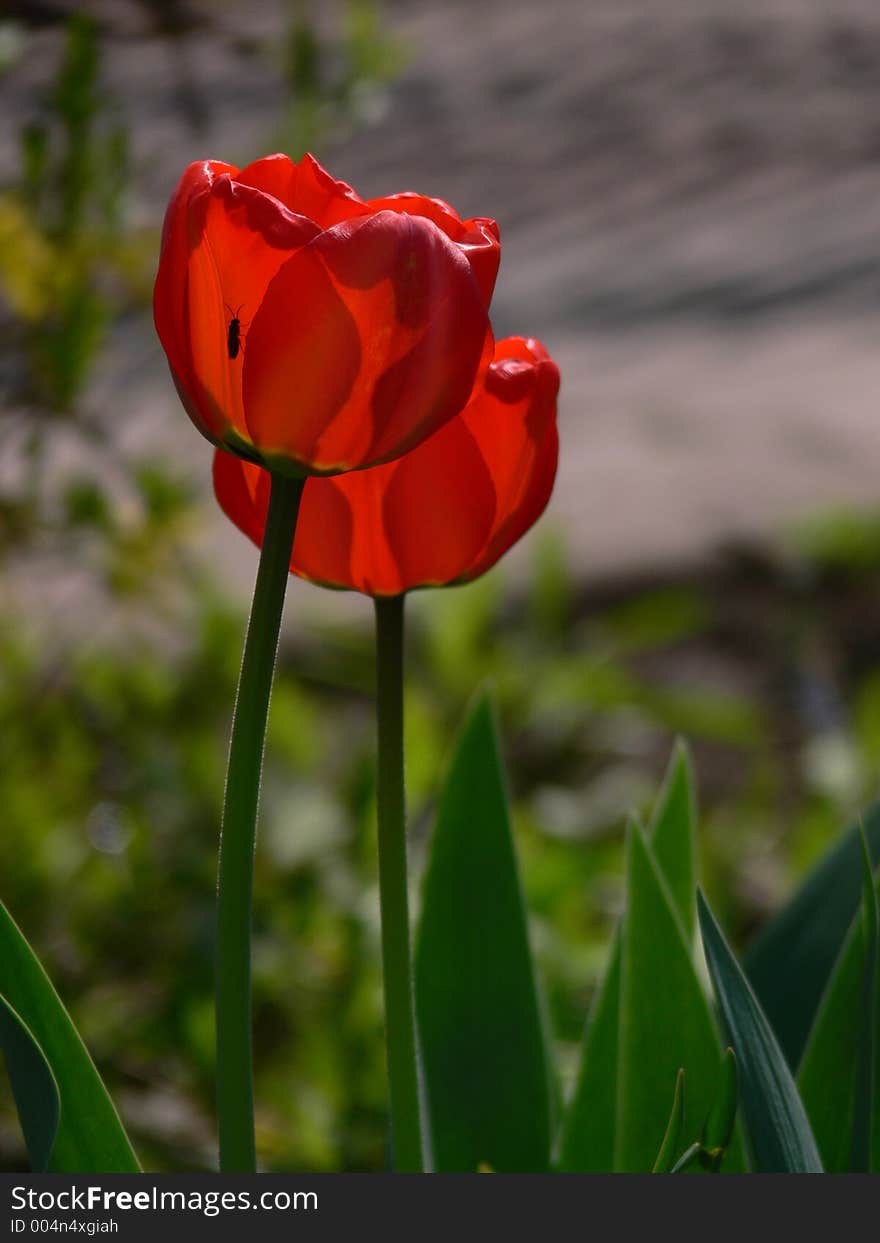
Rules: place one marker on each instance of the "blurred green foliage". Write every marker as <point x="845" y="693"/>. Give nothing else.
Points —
<point x="66" y="218"/>
<point x="334" y="75"/>
<point x="111" y="771"/>
<point x="72" y="265"/>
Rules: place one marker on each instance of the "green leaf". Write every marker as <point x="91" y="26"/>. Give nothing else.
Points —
<point x="865" y="1121"/>
<point x="665" y="1022"/>
<point x="587" y="1141"/>
<point x="839" y="1063"/>
<point x="487" y="1067"/>
<point x="790" y="963"/>
<point x="666" y="1157"/>
<point x="89" y="1137"/>
<point x="33" y="1086"/>
<point x="780" y="1134"/>
<point x="719" y="1126"/>
<point x="590" y="1122"/>
<point x="672" y="834"/>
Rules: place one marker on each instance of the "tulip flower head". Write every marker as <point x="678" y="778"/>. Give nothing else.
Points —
<point x="311" y="331"/>
<point x="446" y="511"/>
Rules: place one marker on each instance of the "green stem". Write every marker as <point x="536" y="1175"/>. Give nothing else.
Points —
<point x="235" y="1088"/>
<point x="400" y="1028"/>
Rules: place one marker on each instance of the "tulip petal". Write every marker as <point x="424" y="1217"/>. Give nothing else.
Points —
<point x="367" y="343"/>
<point x="169" y="295"/>
<point x="241" y="238"/>
<point x="444" y="512"/>
<point x="478" y="238"/>
<point x="305" y="188"/>
<point x="243" y="492"/>
<point x="438" y="509"/>
<point x="514" y="422"/>
<point x="410" y="523"/>
<point x="367" y="340"/>
<point x="533" y="501"/>
<point x="325" y="533"/>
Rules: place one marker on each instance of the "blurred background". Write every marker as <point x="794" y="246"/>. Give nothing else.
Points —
<point x="687" y="196"/>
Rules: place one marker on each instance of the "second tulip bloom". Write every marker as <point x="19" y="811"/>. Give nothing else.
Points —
<point x="446" y="511"/>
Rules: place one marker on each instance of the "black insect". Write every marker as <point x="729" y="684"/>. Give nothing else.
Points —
<point x="234" y="340"/>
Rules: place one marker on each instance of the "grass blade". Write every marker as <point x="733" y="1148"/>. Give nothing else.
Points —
<point x="665" y="1022"/>
<point x="721" y="1122"/>
<point x="790" y="964"/>
<point x="487" y="1065"/>
<point x="672" y="834"/>
<point x="827" y="1074"/>
<point x="866" y="1102"/>
<point x="671" y="1145"/>
<point x="33" y="1086"/>
<point x="780" y="1134"/>
<point x="588" y="1137"/>
<point x="89" y="1137"/>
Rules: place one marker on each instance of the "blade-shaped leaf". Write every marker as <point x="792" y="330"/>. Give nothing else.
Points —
<point x="665" y="1022"/>
<point x="672" y="834"/>
<point x="709" y="1151"/>
<point x="485" y="1054"/>
<point x="841" y="1049"/>
<point x="587" y="1141"/>
<point x="671" y="1146"/>
<point x="590" y="1123"/>
<point x="865" y="1121"/>
<point x="719" y="1128"/>
<point x="780" y="1134"/>
<point x="790" y="963"/>
<point x="33" y="1086"/>
<point x="90" y="1137"/>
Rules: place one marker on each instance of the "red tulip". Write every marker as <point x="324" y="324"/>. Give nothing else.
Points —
<point x="446" y="511"/>
<point x="314" y="332"/>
